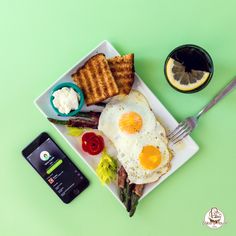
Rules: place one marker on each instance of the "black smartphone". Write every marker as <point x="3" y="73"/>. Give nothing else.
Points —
<point x="54" y="166"/>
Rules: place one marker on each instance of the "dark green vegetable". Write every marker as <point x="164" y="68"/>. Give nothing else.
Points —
<point x="82" y="120"/>
<point x="58" y="122"/>
<point x="128" y="193"/>
<point x="134" y="203"/>
<point x="122" y="194"/>
<point x="136" y="194"/>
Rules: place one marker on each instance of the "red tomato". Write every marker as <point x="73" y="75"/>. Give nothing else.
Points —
<point x="92" y="143"/>
<point x="85" y="139"/>
<point x="87" y="136"/>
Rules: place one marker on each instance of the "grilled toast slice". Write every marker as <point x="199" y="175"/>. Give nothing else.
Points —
<point x="96" y="80"/>
<point x="122" y="68"/>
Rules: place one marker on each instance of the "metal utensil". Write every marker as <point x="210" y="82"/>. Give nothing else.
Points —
<point x="186" y="126"/>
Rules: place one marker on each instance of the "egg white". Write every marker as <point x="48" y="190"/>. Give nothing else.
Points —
<point x="129" y="146"/>
<point x="119" y="105"/>
<point x="130" y="159"/>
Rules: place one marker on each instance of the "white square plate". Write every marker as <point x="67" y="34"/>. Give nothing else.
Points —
<point x="182" y="152"/>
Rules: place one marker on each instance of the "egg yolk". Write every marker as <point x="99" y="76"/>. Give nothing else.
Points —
<point x="130" y="122"/>
<point x="150" y="157"/>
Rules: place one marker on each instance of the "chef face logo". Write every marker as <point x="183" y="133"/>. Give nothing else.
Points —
<point x="214" y="218"/>
<point x="44" y="155"/>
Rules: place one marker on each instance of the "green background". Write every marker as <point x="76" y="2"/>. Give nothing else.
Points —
<point x="40" y="40"/>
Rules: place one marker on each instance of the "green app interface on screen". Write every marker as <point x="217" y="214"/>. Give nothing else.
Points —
<point x="56" y="169"/>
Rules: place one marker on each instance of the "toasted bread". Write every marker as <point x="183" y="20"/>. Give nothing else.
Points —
<point x="122" y="68"/>
<point x="96" y="80"/>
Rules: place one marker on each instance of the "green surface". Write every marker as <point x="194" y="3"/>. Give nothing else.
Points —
<point x="40" y="40"/>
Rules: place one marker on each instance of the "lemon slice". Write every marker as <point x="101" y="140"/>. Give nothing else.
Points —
<point x="182" y="79"/>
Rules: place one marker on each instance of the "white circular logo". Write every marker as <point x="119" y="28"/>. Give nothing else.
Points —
<point x="44" y="155"/>
<point x="214" y="218"/>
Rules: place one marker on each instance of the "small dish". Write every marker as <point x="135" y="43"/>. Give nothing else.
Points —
<point x="77" y="90"/>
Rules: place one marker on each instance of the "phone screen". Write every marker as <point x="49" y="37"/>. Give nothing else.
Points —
<point x="55" y="168"/>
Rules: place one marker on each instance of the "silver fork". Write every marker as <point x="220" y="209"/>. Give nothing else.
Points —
<point x="186" y="126"/>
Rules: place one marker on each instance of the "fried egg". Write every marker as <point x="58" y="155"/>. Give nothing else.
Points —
<point x="147" y="160"/>
<point x="139" y="139"/>
<point x="125" y="117"/>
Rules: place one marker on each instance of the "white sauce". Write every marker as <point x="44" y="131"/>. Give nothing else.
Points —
<point x="65" y="100"/>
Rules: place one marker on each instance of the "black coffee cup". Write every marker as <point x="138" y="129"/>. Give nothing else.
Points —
<point x="188" y="68"/>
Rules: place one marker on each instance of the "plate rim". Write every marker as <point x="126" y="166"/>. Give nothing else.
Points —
<point x="74" y="149"/>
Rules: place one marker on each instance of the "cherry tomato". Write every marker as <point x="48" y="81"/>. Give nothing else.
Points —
<point x="85" y="139"/>
<point x="92" y="143"/>
<point x="87" y="136"/>
<point x="95" y="145"/>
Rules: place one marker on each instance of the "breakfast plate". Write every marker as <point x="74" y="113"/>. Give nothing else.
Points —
<point x="182" y="151"/>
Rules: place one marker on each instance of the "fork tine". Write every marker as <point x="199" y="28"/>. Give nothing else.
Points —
<point x="177" y="130"/>
<point x="170" y="135"/>
<point x="181" y="136"/>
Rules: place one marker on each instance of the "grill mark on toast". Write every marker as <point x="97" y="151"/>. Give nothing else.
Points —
<point x="97" y="76"/>
<point x="91" y="79"/>
<point x="79" y="81"/>
<point x="106" y="84"/>
<point x="122" y="69"/>
<point x="108" y="81"/>
<point x="88" y="85"/>
<point x="120" y="75"/>
<point x="96" y="80"/>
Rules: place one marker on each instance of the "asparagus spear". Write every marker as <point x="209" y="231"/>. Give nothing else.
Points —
<point x="122" y="194"/>
<point x="125" y="188"/>
<point x="82" y="120"/>
<point x="128" y="193"/>
<point x="134" y="203"/>
<point x="136" y="194"/>
<point x="58" y="122"/>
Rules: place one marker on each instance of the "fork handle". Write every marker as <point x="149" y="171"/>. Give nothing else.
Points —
<point x="218" y="97"/>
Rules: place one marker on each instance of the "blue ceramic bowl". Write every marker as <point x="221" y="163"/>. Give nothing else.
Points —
<point x="77" y="89"/>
